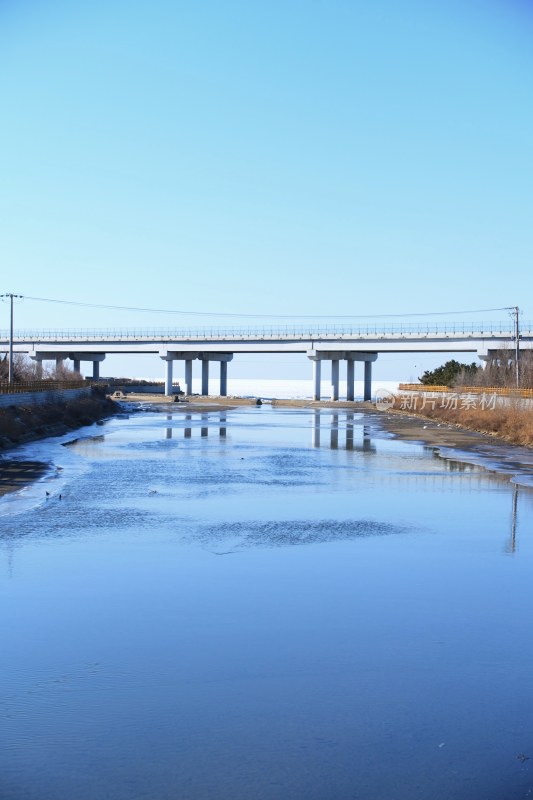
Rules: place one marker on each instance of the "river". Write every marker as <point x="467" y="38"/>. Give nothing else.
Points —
<point x="264" y="604"/>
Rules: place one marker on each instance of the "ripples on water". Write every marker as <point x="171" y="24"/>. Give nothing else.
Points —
<point x="264" y="604"/>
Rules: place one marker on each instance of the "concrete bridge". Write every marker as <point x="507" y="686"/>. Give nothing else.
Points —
<point x="360" y="345"/>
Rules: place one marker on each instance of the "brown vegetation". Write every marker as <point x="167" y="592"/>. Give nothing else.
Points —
<point x="477" y="404"/>
<point x="510" y="420"/>
<point x="20" y="424"/>
<point x="500" y="372"/>
<point x="26" y="370"/>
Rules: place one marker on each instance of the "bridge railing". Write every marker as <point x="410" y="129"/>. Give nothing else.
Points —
<point x="499" y="329"/>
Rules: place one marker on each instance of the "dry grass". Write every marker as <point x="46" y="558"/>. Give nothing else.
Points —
<point x="511" y="421"/>
<point x="25" y="423"/>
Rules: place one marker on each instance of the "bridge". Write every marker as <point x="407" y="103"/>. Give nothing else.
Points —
<point x="329" y="343"/>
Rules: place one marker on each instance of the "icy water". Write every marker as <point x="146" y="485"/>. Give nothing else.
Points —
<point x="264" y="604"/>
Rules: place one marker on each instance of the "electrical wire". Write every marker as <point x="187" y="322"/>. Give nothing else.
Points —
<point x="332" y="317"/>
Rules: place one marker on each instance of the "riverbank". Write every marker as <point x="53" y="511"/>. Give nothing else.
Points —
<point x="510" y="422"/>
<point x="186" y="402"/>
<point x="20" y="425"/>
<point x="24" y="423"/>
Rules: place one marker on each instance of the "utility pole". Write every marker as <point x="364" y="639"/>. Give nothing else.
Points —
<point x="516" y="344"/>
<point x="11" y="297"/>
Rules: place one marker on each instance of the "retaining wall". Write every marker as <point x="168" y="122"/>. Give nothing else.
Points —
<point x="42" y="398"/>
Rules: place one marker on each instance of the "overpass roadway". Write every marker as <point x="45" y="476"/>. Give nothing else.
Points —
<point x="352" y="345"/>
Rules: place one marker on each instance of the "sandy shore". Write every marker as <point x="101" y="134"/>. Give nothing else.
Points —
<point x="184" y="403"/>
<point x="440" y="434"/>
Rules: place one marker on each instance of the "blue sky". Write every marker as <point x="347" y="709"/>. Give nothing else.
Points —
<point x="291" y="158"/>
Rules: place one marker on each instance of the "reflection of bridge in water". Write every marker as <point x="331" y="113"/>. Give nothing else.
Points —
<point x="205" y="419"/>
<point x="341" y="431"/>
<point x="341" y="437"/>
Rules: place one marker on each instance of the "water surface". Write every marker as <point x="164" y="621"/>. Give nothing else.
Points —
<point x="265" y="604"/>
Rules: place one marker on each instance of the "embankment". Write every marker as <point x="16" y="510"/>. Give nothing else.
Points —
<point x="22" y="422"/>
<point x="512" y="422"/>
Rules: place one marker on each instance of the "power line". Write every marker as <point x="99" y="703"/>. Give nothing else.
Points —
<point x="183" y="312"/>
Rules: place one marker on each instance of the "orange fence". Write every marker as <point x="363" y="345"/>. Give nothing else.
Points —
<point x="502" y="392"/>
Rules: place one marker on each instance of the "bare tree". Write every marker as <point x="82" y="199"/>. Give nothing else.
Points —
<point x="500" y="371"/>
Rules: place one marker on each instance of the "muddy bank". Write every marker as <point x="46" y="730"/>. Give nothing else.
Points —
<point x="15" y="475"/>
<point x="307" y="403"/>
<point x="441" y="434"/>
<point x="458" y="443"/>
<point x="20" y="424"/>
<point x="186" y="403"/>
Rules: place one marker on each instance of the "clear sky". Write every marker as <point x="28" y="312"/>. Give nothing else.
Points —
<point x="281" y="157"/>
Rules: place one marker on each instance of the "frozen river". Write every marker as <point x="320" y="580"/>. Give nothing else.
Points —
<point x="264" y="604"/>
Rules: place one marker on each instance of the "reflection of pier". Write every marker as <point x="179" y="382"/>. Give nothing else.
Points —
<point x="341" y="436"/>
<point x="511" y="544"/>
<point x="205" y="419"/>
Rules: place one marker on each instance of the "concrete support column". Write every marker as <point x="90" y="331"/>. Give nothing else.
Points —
<point x="39" y="368"/>
<point x="350" y="392"/>
<point x="205" y="377"/>
<point x="59" y="362"/>
<point x="168" y="378"/>
<point x="317" y="370"/>
<point x="76" y="365"/>
<point x="96" y="370"/>
<point x="188" y="376"/>
<point x="368" y="381"/>
<point x="335" y="379"/>
<point x="223" y="378"/>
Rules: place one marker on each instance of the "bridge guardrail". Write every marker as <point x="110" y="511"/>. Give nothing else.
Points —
<point x="496" y="329"/>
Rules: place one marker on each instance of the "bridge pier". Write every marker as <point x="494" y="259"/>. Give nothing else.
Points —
<point x="188" y="376"/>
<point x="205" y="377"/>
<point x="317" y="369"/>
<point x="367" y="394"/>
<point x="168" y="377"/>
<point x="223" y="378"/>
<point x="350" y="382"/>
<point x="59" y="356"/>
<point x="335" y="378"/>
<point x="350" y="356"/>
<point x="170" y="356"/>
<point x="223" y="358"/>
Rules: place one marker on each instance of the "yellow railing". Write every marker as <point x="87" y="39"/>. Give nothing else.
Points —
<point x="499" y="390"/>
